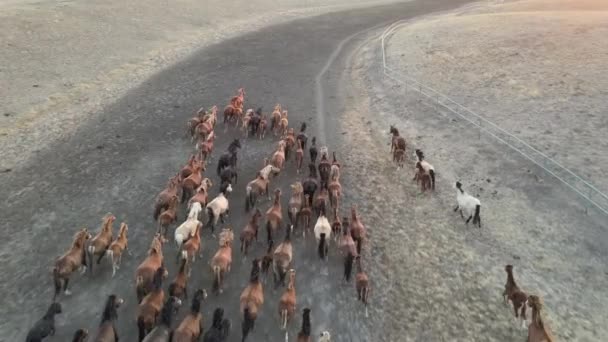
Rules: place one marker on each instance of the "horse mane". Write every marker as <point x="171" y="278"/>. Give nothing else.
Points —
<point x="305" y="331"/>
<point x="79" y="237"/>
<point x="109" y="311"/>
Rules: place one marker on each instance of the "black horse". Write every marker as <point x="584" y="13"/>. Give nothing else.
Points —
<point x="228" y="174"/>
<point x="220" y="328"/>
<point x="311" y="183"/>
<point x="45" y="326"/>
<point x="324" y="171"/>
<point x="313" y="150"/>
<point x="254" y="122"/>
<point x="302" y="138"/>
<point x="229" y="158"/>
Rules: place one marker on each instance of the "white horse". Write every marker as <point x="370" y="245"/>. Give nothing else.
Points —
<point x="218" y="208"/>
<point x="325" y="337"/>
<point x="189" y="226"/>
<point x="334" y="173"/>
<point x="269" y="168"/>
<point x="322" y="233"/>
<point x="469" y="204"/>
<point x="324" y="151"/>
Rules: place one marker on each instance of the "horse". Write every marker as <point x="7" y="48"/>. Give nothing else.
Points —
<point x="206" y="125"/>
<point x="468" y="203"/>
<point x="299" y="157"/>
<point x="218" y="208"/>
<point x="229" y="158"/>
<point x="287" y="303"/>
<point x="305" y="215"/>
<point x="144" y="274"/>
<point x="194" y="180"/>
<point x="514" y="294"/>
<point x="274" y="215"/>
<point x="81" y="335"/>
<point x="255" y="188"/>
<point x="206" y="146"/>
<point x="321" y="201"/>
<point x="538" y="330"/>
<point x="220" y="327"/>
<point x="278" y="157"/>
<point x="188" y="168"/>
<point x="362" y="284"/>
<point x="295" y="203"/>
<point x="194" y="121"/>
<point x="179" y="286"/>
<point x="267" y="260"/>
<point x="245" y="124"/>
<point x="282" y="258"/>
<point x="424" y="168"/>
<point x="233" y="113"/>
<point x="192" y="246"/>
<point x="99" y="243"/>
<point x="311" y="184"/>
<point x="167" y="217"/>
<point x="348" y="266"/>
<point x="150" y="306"/>
<point x="250" y="231"/>
<point x="302" y="137"/>
<point x="254" y="123"/>
<point x="162" y="332"/>
<point x="46" y="325"/>
<point x="222" y="260"/>
<point x="188" y="227"/>
<point x="191" y="327"/>
<point x="229" y="175"/>
<point x="269" y="169"/>
<point x="347" y="243"/>
<point x="335" y="192"/>
<point x="117" y="247"/>
<point x="290" y="141"/>
<point x="324" y="168"/>
<point x="399" y="157"/>
<point x="263" y="127"/>
<point x="69" y="262"/>
<point x="305" y="331"/>
<point x="202" y="194"/>
<point x="397" y="141"/>
<point x="283" y="124"/>
<point x="322" y="234"/>
<point x="275" y="119"/>
<point x="107" y="329"/>
<point x="312" y="151"/>
<point x="164" y="199"/>
<point x="357" y="229"/>
<point x="251" y="299"/>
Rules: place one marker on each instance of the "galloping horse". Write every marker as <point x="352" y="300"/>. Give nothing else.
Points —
<point x="398" y="145"/>
<point x="69" y="262"/>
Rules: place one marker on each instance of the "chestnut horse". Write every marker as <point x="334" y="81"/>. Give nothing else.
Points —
<point x="206" y="146"/>
<point x="164" y="199"/>
<point x="252" y="299"/>
<point x="72" y="260"/>
<point x="283" y="124"/>
<point x="206" y="126"/>
<point x="295" y="203"/>
<point x="150" y="305"/>
<point x="278" y="157"/>
<point x="250" y="231"/>
<point x="179" y="286"/>
<point x="107" y="330"/>
<point x="222" y="260"/>
<point x="117" y="247"/>
<point x="101" y="242"/>
<point x="274" y="215"/>
<point x="202" y="194"/>
<point x="335" y="192"/>
<point x="397" y="141"/>
<point x="167" y="217"/>
<point x="194" y="180"/>
<point x="144" y="273"/>
<point x="514" y="294"/>
<point x="362" y="284"/>
<point x="324" y="168"/>
<point x="275" y="119"/>
<point x="306" y="215"/>
<point x="357" y="229"/>
<point x="287" y="303"/>
<point x="290" y="142"/>
<point x="255" y="188"/>
<point x="282" y="258"/>
<point x="191" y="327"/>
<point x="538" y="330"/>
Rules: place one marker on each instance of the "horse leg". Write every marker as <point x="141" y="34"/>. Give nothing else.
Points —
<point x="101" y="256"/>
<point x="65" y="286"/>
<point x="455" y="209"/>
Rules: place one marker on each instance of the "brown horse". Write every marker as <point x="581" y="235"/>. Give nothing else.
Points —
<point x="250" y="232"/>
<point x="101" y="242"/>
<point x="254" y="189"/>
<point x="357" y="229"/>
<point x="179" y="287"/>
<point x="194" y="180"/>
<point x="144" y="273"/>
<point x="117" y="247"/>
<point x="295" y="203"/>
<point x="71" y="261"/>
<point x="191" y="328"/>
<point x="222" y="260"/>
<point x="399" y="157"/>
<point x="514" y="294"/>
<point x="306" y="215"/>
<point x="275" y="119"/>
<point x="290" y="142"/>
<point x="347" y="243"/>
<point x="202" y="193"/>
<point x="282" y="258"/>
<point x="274" y="215"/>
<point x="263" y="127"/>
<point x="167" y="217"/>
<point x="252" y="299"/>
<point x="299" y="157"/>
<point x="362" y="284"/>
<point x="283" y="124"/>
<point x="194" y="121"/>
<point x="336" y="224"/>
<point x="423" y="178"/>
<point x="321" y="201"/>
<point x="278" y="157"/>
<point x="107" y="330"/>
<point x="287" y="303"/>
<point x="206" y="146"/>
<point x="335" y="192"/>
<point x="206" y="125"/>
<point x="192" y="246"/>
<point x="188" y="168"/>
<point x="164" y="199"/>
<point x="397" y="141"/>
<point x="150" y="305"/>
<point x="538" y="330"/>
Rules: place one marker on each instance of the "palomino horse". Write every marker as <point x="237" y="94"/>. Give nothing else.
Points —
<point x="222" y="260"/>
<point x="538" y="330"/>
<point x="255" y="188"/>
<point x="117" y="247"/>
<point x="252" y="299"/>
<point x="274" y="215"/>
<point x="72" y="260"/>
<point x="219" y="207"/>
<point x="282" y="257"/>
<point x="202" y="194"/>
<point x="362" y="284"/>
<point x="290" y="142"/>
<point x="191" y="327"/>
<point x="220" y="327"/>
<point x="150" y="305"/>
<point x="275" y="119"/>
<point x="162" y="332"/>
<point x="514" y="294"/>
<point x="295" y="203"/>
<point x="101" y="242"/>
<point x="287" y="303"/>
<point x="107" y="330"/>
<point x="278" y="157"/>
<point x="164" y="199"/>
<point x="250" y="232"/>
<point x="357" y="229"/>
<point x="145" y="271"/>
<point x="305" y="331"/>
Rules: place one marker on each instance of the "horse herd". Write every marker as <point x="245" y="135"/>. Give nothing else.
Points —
<point x="307" y="214"/>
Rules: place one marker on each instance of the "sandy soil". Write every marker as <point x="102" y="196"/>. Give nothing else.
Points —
<point x="437" y="278"/>
<point x="531" y="67"/>
<point x="64" y="60"/>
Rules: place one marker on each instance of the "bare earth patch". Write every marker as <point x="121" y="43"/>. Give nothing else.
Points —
<point x="438" y="279"/>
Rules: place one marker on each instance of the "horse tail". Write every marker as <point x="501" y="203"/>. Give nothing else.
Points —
<point x="248" y="322"/>
<point x="157" y="209"/>
<point x="322" y="246"/>
<point x="139" y="288"/>
<point x="141" y="328"/>
<point x="359" y="242"/>
<point x="110" y="255"/>
<point x="268" y="231"/>
<point x="210" y="215"/>
<point x="216" y="278"/>
<point x="57" y="282"/>
<point x="219" y="168"/>
<point x="348" y="266"/>
<point x="91" y="254"/>
<point x="432" y="173"/>
<point x="476" y="217"/>
<point x="249" y="198"/>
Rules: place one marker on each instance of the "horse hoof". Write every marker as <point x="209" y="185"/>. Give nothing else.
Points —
<point x="67" y="292"/>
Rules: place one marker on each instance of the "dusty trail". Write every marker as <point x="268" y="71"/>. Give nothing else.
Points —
<point x="120" y="159"/>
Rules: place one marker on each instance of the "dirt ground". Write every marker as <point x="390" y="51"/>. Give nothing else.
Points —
<point x="62" y="61"/>
<point x="438" y="279"/>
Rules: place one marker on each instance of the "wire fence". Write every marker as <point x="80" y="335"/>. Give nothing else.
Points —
<point x="574" y="182"/>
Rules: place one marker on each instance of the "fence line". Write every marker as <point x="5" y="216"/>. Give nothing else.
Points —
<point x="577" y="184"/>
